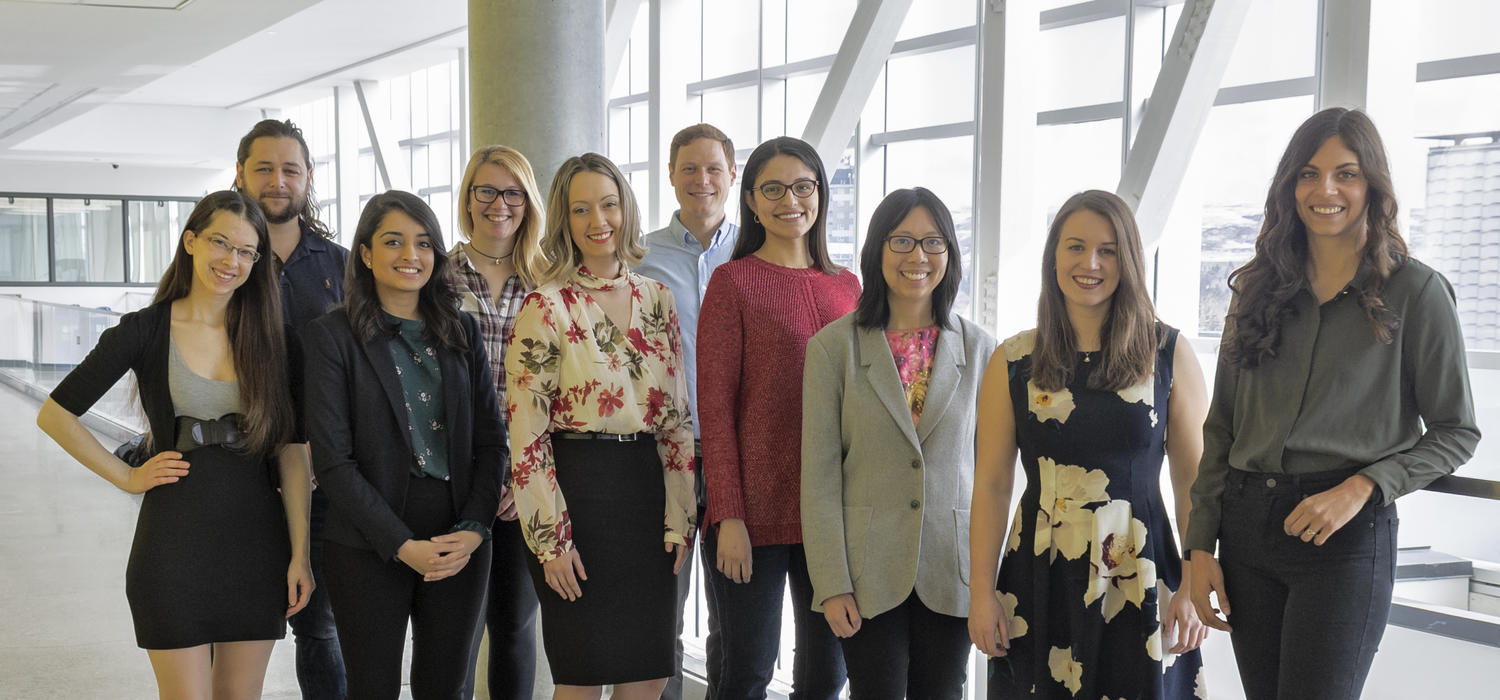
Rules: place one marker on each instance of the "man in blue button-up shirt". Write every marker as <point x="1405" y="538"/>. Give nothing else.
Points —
<point x="274" y="167"/>
<point x="683" y="256"/>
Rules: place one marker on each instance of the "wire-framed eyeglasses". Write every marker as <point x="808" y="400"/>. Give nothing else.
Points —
<point x="221" y="246"/>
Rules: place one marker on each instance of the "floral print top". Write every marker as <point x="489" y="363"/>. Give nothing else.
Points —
<point x="421" y="378"/>
<point x="912" y="350"/>
<point x="568" y="367"/>
<point x="1090" y="562"/>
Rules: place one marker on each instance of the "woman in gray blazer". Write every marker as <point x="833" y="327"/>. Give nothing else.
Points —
<point x="888" y="458"/>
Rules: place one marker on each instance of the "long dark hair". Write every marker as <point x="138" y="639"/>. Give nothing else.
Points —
<point x="257" y="339"/>
<point x="1265" y="286"/>
<point x="874" y="308"/>
<point x="753" y="232"/>
<point x="438" y="301"/>
<point x="285" y="129"/>
<point x="1128" y="340"/>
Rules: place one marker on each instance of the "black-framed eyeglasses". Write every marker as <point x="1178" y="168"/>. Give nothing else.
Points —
<point x="486" y="194"/>
<point x="931" y="245"/>
<point x="221" y="247"/>
<point x="775" y="190"/>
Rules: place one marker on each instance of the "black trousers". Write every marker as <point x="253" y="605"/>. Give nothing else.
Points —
<point x="510" y="615"/>
<point x="373" y="599"/>
<point x="1307" y="619"/>
<point x="673" y="691"/>
<point x="908" y="651"/>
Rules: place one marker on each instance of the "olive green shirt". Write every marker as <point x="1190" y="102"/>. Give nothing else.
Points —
<point x="1336" y="398"/>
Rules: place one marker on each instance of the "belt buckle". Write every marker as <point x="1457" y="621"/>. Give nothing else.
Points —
<point x="623" y="437"/>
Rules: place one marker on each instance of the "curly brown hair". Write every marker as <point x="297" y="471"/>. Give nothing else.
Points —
<point x="1265" y="286"/>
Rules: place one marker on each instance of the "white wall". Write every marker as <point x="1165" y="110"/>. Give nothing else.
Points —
<point x="75" y="177"/>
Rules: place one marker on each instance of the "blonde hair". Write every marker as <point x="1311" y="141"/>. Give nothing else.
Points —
<point x="530" y="260"/>
<point x="558" y="244"/>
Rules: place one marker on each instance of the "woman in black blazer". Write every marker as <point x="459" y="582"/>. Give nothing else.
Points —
<point x="405" y="431"/>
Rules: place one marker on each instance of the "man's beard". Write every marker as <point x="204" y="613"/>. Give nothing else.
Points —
<point x="293" y="209"/>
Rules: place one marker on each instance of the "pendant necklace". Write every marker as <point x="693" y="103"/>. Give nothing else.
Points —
<point x="470" y="245"/>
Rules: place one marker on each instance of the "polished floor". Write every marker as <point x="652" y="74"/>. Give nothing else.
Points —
<point x="65" y="535"/>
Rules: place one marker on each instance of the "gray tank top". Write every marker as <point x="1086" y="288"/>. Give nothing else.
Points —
<point x="199" y="397"/>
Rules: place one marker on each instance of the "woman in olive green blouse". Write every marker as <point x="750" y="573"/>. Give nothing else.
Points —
<point x="1338" y="349"/>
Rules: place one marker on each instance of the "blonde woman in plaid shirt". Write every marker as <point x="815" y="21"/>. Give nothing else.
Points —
<point x="502" y="217"/>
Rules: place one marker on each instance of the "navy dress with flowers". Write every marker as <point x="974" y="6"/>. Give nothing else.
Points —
<point x="1090" y="557"/>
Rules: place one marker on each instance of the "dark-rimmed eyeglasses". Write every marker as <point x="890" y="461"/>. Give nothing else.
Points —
<point x="221" y="246"/>
<point x="773" y="190"/>
<point x="932" y="245"/>
<point x="486" y="194"/>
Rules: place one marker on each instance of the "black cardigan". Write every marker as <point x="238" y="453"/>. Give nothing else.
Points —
<point x="141" y="342"/>
<point x="356" y="422"/>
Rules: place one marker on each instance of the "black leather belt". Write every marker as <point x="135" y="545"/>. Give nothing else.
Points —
<point x="612" y="437"/>
<point x="225" y="430"/>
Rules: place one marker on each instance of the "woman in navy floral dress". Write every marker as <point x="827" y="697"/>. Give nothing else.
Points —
<point x="1083" y="606"/>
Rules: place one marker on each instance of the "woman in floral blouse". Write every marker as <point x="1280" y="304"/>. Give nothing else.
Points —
<point x="599" y="425"/>
<point x="498" y="262"/>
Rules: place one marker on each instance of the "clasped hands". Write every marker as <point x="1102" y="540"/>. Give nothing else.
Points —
<point x="440" y="557"/>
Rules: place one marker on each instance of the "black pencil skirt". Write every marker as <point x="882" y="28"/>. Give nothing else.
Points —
<point x="621" y="629"/>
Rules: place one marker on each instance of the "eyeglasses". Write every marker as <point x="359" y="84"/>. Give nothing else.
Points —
<point x="775" y="190"/>
<point x="222" y="247"/>
<point x="932" y="245"/>
<point x="486" y="194"/>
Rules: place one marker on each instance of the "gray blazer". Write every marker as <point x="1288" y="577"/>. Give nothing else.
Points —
<point x="885" y="505"/>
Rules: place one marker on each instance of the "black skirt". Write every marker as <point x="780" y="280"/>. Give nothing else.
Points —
<point x="622" y="628"/>
<point x="210" y="556"/>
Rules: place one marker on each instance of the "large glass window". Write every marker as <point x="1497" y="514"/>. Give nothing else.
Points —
<point x="23" y="239"/>
<point x="946" y="167"/>
<point x="89" y="240"/>
<point x="1277" y="42"/>
<point x="731" y="32"/>
<point x="154" y="228"/>
<point x="1071" y="58"/>
<point x="1224" y="196"/>
<point x="915" y="99"/>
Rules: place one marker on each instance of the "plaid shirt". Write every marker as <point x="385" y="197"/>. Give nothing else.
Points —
<point x="495" y="320"/>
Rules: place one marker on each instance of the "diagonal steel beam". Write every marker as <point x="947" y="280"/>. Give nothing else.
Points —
<point x="618" y="22"/>
<point x="390" y="166"/>
<point x="867" y="44"/>
<point x="1177" y="110"/>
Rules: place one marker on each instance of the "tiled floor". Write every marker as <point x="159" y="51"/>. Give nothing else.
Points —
<point x="65" y="535"/>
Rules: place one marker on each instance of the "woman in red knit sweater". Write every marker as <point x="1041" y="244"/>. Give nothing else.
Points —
<point x="778" y="289"/>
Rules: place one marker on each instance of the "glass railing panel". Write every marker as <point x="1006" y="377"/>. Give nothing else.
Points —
<point x="40" y="342"/>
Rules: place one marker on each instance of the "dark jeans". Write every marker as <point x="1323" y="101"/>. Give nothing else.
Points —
<point x="510" y="615"/>
<point x="373" y="599"/>
<point x="908" y="652"/>
<point x="320" y="666"/>
<point x="1307" y="619"/>
<point x="749" y="617"/>
<point x="673" y="691"/>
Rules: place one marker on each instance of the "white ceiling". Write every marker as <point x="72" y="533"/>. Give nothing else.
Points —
<point x="176" y="82"/>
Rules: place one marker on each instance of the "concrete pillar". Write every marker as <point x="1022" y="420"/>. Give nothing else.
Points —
<point x="536" y="79"/>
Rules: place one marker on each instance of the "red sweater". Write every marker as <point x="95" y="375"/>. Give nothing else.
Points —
<point x="752" y="335"/>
